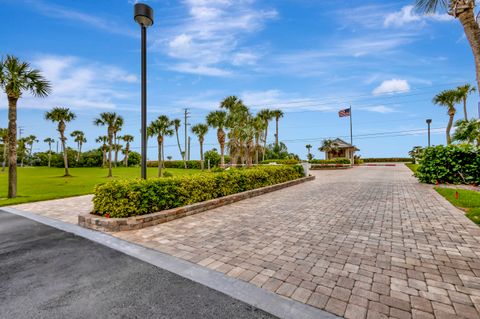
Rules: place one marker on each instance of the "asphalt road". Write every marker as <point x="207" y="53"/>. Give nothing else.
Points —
<point x="48" y="273"/>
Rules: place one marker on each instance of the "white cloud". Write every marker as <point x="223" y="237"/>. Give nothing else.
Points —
<point x="210" y="39"/>
<point x="392" y="86"/>
<point x="407" y="15"/>
<point x="79" y="84"/>
<point x="378" y="109"/>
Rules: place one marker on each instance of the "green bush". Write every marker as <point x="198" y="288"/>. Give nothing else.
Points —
<point x="176" y="164"/>
<point x="124" y="198"/>
<point x="453" y="164"/>
<point x="340" y="160"/>
<point x="388" y="160"/>
<point x="281" y="161"/>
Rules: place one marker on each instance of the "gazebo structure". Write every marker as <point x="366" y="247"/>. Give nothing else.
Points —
<point x="340" y="149"/>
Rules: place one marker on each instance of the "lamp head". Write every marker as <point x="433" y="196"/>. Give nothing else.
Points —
<point x="143" y="14"/>
<point x="429" y="121"/>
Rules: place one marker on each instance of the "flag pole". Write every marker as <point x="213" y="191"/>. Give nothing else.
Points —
<point x="352" y="159"/>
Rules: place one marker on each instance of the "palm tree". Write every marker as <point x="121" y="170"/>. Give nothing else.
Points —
<point x="61" y="115"/>
<point x="127" y="139"/>
<point x="218" y="120"/>
<point x="79" y="139"/>
<point x="22" y="149"/>
<point x="448" y="98"/>
<point x="176" y="124"/>
<point x="4" y="138"/>
<point x="161" y="127"/>
<point x="117" y="127"/>
<point x="30" y="140"/>
<point x="267" y="116"/>
<point x="328" y="146"/>
<point x="200" y="130"/>
<point x="108" y="119"/>
<point x="467" y="131"/>
<point x="17" y="77"/>
<point x="49" y="140"/>
<point x="277" y="114"/>
<point x="258" y="125"/>
<point x="309" y="147"/>
<point x="464" y="11"/>
<point x="463" y="92"/>
<point x="104" y="140"/>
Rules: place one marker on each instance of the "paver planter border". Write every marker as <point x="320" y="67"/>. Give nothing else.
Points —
<point x="138" y="222"/>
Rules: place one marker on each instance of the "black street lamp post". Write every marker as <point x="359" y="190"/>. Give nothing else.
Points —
<point x="429" y="121"/>
<point x="143" y="15"/>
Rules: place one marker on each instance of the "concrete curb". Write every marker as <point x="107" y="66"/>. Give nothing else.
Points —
<point x="138" y="222"/>
<point x="245" y="292"/>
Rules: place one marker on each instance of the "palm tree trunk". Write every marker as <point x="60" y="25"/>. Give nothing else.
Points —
<point x="65" y="157"/>
<point x="104" y="159"/>
<point x="265" y="142"/>
<point x="49" y="154"/>
<point x="5" y="145"/>
<point x="12" y="147"/>
<point x="449" y="127"/>
<point x="110" y="146"/>
<point x="182" y="154"/>
<point x="79" y="152"/>
<point x="127" y="149"/>
<point x="276" y="131"/>
<point x="116" y="148"/>
<point x="472" y="32"/>
<point x="160" y="158"/>
<point x="465" y="108"/>
<point x="201" y="155"/>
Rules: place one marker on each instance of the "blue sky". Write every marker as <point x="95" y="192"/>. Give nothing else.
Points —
<point x="309" y="58"/>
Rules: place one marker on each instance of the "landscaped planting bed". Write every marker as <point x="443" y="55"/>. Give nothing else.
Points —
<point x="142" y="203"/>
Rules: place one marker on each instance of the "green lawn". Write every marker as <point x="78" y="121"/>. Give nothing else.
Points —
<point x="469" y="201"/>
<point x="412" y="166"/>
<point x="42" y="183"/>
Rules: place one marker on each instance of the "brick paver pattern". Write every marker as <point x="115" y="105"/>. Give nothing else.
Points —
<point x="369" y="242"/>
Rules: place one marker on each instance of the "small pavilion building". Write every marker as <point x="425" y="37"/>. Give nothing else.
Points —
<point x="341" y="149"/>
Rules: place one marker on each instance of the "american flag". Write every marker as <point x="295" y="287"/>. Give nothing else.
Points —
<point x="344" y="113"/>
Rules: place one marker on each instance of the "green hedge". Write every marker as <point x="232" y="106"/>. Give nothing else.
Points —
<point x="453" y="164"/>
<point x="340" y="160"/>
<point x="281" y="161"/>
<point x="176" y="164"/>
<point x="124" y="198"/>
<point x="388" y="160"/>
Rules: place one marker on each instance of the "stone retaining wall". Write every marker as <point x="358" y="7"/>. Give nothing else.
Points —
<point x="137" y="222"/>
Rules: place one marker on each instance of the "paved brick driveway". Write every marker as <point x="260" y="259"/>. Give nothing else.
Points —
<point x="367" y="242"/>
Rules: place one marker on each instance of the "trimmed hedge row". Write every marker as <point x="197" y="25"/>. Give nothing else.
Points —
<point x="281" y="161"/>
<point x="453" y="164"/>
<point x="177" y="164"/>
<point x="388" y="160"/>
<point x="340" y="160"/>
<point x="124" y="198"/>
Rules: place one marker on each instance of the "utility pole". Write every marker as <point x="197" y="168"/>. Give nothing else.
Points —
<point x="189" y="148"/>
<point x="187" y="153"/>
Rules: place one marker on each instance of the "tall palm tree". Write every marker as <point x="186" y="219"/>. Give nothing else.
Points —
<point x="464" y="11"/>
<point x="309" y="147"/>
<point x="104" y="140"/>
<point x="218" y="120"/>
<point x="267" y="116"/>
<point x="108" y="119"/>
<point x="16" y="77"/>
<point x="117" y="127"/>
<point x="277" y="114"/>
<point x="49" y="141"/>
<point x="176" y="124"/>
<point x="200" y="130"/>
<point x="161" y="127"/>
<point x="61" y="115"/>
<point x="127" y="139"/>
<point x="31" y="139"/>
<point x="463" y="92"/>
<point x="448" y="99"/>
<point x="79" y="139"/>
<point x="4" y="138"/>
